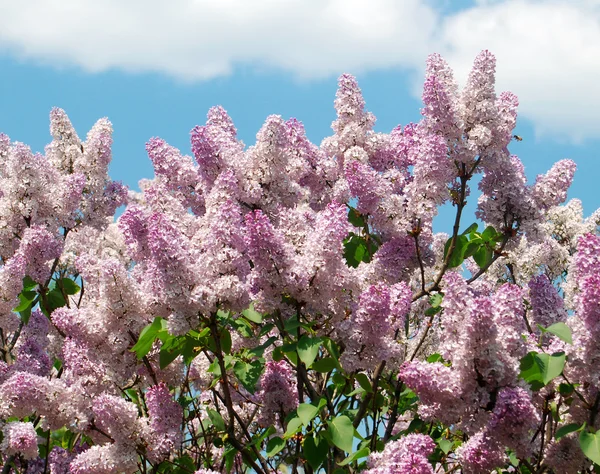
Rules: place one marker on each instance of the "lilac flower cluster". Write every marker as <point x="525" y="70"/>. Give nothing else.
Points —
<point x="333" y="243"/>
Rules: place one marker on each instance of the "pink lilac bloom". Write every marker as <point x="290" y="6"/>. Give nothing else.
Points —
<point x="438" y="388"/>
<point x="551" y="189"/>
<point x="547" y="307"/>
<point x="20" y="438"/>
<point x="105" y="459"/>
<point x="366" y="185"/>
<point x="565" y="456"/>
<point x="115" y="416"/>
<point x="59" y="460"/>
<point x="369" y="333"/>
<point x="165" y="421"/>
<point x="514" y="419"/>
<point x="481" y="454"/>
<point x="278" y="393"/>
<point x="407" y="455"/>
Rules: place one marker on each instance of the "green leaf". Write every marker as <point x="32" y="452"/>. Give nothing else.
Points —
<point x="259" y="350"/>
<point x="327" y="364"/>
<point x="248" y="373"/>
<point x="472" y="247"/>
<point x="306" y="412"/>
<point x="342" y="432"/>
<point x="216" y="418"/>
<point x="472" y="228"/>
<point x="274" y="445"/>
<point x="54" y="299"/>
<point x="293" y="427"/>
<point x="565" y="389"/>
<point x="29" y="284"/>
<point x="26" y="299"/>
<point x="364" y="382"/>
<point x="266" y="329"/>
<point x="308" y="349"/>
<point x="356" y="219"/>
<point x="491" y="235"/>
<point x="566" y="429"/>
<point x="244" y="327"/>
<point x="68" y="285"/>
<point x="436" y="300"/>
<point x="435" y="358"/>
<point x="225" y="339"/>
<point x="147" y="338"/>
<point x="170" y="350"/>
<point x="445" y="445"/>
<point x="539" y="369"/>
<point x="252" y="315"/>
<point x="590" y="445"/>
<point x="432" y="311"/>
<point x="457" y="256"/>
<point x="562" y="331"/>
<point x="483" y="256"/>
<point x="357" y="249"/>
<point x="291" y="324"/>
<point x="361" y="453"/>
<point x="315" y="450"/>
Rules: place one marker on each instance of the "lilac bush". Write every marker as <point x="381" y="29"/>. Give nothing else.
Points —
<point x="287" y="307"/>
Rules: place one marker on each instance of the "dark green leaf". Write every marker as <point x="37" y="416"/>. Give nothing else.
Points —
<point x="259" y="350"/>
<point x="472" y="247"/>
<point x="324" y="365"/>
<point x="357" y="250"/>
<point x="432" y="311"/>
<point x="225" y="339"/>
<point x="361" y="453"/>
<point x="248" y="373"/>
<point x="483" y="256"/>
<point x="566" y="429"/>
<point x="54" y="299"/>
<point x="315" y="450"/>
<point x="68" y="285"/>
<point x="565" y="389"/>
<point x="29" y="284"/>
<point x="457" y="256"/>
<point x="26" y="299"/>
<point x="274" y="445"/>
<point x="491" y="235"/>
<point x="170" y="350"/>
<point x="356" y="219"/>
<point x="266" y="329"/>
<point x="364" y="382"/>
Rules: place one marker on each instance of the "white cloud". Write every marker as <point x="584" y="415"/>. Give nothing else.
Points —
<point x="202" y="39"/>
<point x="548" y="51"/>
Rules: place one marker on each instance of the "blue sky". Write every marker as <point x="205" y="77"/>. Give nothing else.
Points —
<point x="155" y="70"/>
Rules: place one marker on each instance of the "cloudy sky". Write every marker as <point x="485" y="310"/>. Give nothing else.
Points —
<point x="155" y="67"/>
